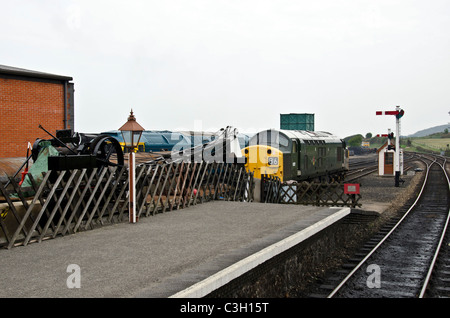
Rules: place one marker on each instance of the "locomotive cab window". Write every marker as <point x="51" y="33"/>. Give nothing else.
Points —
<point x="274" y="139"/>
<point x="285" y="143"/>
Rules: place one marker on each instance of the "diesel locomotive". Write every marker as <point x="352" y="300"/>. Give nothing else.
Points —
<point x="297" y="155"/>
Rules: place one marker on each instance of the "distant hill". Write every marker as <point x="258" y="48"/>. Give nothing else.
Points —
<point x="430" y="131"/>
<point x="346" y="139"/>
<point x="420" y="133"/>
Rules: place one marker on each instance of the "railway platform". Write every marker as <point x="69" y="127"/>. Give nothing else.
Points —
<point x="185" y="253"/>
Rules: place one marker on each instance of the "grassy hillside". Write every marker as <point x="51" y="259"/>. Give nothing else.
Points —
<point x="434" y="143"/>
<point x="434" y="139"/>
<point x="430" y="131"/>
<point x="427" y="144"/>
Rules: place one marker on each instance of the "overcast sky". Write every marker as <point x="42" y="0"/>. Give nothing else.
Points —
<point x="207" y="64"/>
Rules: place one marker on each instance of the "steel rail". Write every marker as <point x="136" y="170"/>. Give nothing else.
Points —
<point x="356" y="174"/>
<point x="433" y="262"/>
<point x="344" y="281"/>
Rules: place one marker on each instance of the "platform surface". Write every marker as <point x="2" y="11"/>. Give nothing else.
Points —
<point x="180" y="253"/>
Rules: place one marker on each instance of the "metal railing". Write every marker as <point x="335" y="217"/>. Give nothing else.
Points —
<point x="66" y="202"/>
<point x="306" y="193"/>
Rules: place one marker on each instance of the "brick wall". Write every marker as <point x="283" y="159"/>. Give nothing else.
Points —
<point x="23" y="106"/>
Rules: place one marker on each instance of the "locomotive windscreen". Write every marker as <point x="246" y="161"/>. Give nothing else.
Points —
<point x="272" y="138"/>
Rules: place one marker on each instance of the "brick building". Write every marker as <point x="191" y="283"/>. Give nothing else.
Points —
<point x="29" y="99"/>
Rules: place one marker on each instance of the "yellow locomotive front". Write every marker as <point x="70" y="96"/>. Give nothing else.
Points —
<point x="262" y="159"/>
<point x="296" y="155"/>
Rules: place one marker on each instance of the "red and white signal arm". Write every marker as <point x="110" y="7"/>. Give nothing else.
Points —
<point x="398" y="113"/>
<point x="351" y="188"/>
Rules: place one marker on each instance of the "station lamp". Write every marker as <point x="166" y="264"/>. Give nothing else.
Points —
<point x="131" y="133"/>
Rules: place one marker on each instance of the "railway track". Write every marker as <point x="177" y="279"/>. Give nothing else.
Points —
<point x="360" y="167"/>
<point x="409" y="256"/>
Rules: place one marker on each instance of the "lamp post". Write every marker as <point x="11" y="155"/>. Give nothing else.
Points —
<point x="131" y="133"/>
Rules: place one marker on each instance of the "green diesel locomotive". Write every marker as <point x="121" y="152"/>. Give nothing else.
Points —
<point x="297" y="155"/>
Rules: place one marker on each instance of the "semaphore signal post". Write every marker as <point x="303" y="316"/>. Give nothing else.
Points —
<point x="398" y="113"/>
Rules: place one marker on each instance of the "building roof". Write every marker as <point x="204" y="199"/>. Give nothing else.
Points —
<point x="304" y="135"/>
<point x="311" y="135"/>
<point x="10" y="70"/>
<point x="384" y="146"/>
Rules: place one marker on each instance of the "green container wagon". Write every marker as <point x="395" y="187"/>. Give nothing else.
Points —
<point x="294" y="121"/>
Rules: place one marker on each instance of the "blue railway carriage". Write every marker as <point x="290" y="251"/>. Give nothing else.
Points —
<point x="161" y="141"/>
<point x="297" y="155"/>
<point x="155" y="141"/>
